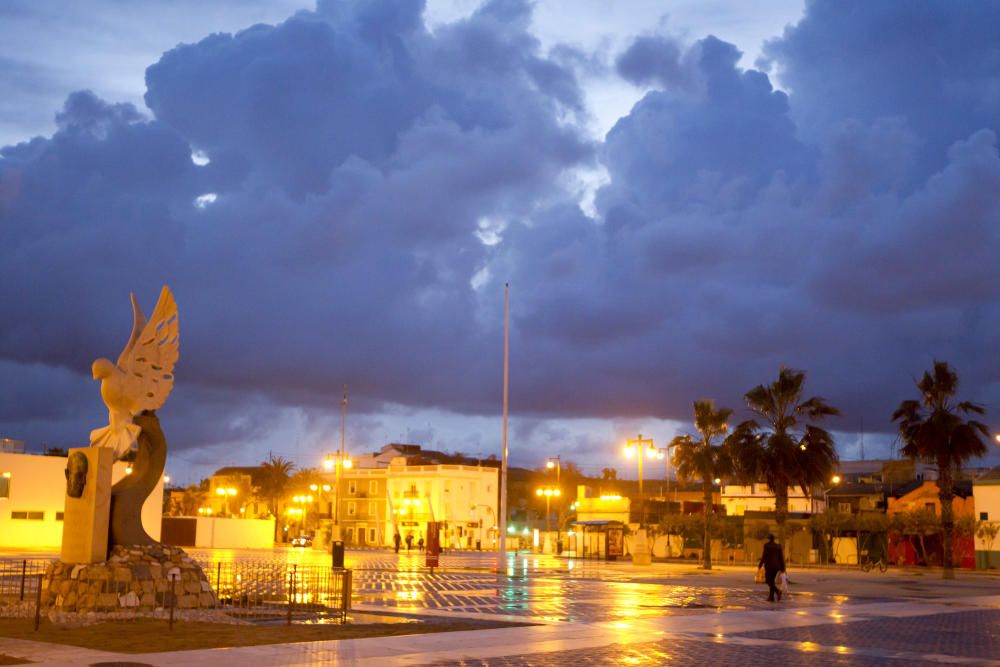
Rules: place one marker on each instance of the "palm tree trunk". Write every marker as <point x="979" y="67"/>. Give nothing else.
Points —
<point x="706" y="543"/>
<point x="781" y="510"/>
<point x="946" y="493"/>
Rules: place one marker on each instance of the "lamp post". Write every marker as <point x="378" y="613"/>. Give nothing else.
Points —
<point x="548" y="492"/>
<point x="555" y="462"/>
<point x="663" y="453"/>
<point x="641" y="447"/>
<point x="225" y="492"/>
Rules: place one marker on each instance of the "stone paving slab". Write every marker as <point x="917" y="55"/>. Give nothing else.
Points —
<point x="973" y="634"/>
<point x="693" y="652"/>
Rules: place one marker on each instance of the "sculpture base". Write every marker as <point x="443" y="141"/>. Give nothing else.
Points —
<point x="135" y="578"/>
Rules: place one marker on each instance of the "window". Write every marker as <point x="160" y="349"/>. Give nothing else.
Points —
<point x="930" y="508"/>
<point x="373" y="486"/>
<point x="350" y="536"/>
<point x="5" y="485"/>
<point x="371" y="508"/>
<point x="845" y="508"/>
<point x="371" y="536"/>
<point x="352" y="488"/>
<point x="984" y="516"/>
<point x="352" y="509"/>
<point x="59" y="516"/>
<point x="28" y="516"/>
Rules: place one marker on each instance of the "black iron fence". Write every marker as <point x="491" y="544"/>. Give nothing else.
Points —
<point x="19" y="578"/>
<point x="263" y="590"/>
<point x="270" y="588"/>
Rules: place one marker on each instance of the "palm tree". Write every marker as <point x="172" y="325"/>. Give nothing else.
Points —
<point x="935" y="430"/>
<point x="702" y="458"/>
<point x="785" y="448"/>
<point x="273" y="482"/>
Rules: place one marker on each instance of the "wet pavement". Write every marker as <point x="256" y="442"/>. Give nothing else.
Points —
<point x="596" y="613"/>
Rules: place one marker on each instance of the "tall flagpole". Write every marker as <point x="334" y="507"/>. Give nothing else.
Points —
<point x="502" y="558"/>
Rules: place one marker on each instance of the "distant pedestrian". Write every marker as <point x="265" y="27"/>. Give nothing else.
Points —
<point x="773" y="562"/>
<point x="396" y="539"/>
<point x="409" y="541"/>
<point x="420" y="543"/>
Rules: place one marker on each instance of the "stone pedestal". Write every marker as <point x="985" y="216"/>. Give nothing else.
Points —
<point x="136" y="578"/>
<point x="640" y="549"/>
<point x="86" y="519"/>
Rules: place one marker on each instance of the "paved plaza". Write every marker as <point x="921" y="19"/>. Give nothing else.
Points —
<point x="596" y="613"/>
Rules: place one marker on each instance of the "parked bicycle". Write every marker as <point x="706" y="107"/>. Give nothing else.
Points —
<point x="867" y="564"/>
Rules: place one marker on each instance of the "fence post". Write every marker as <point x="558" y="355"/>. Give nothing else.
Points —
<point x="38" y="601"/>
<point x="345" y="603"/>
<point x="173" y="599"/>
<point x="218" y="576"/>
<point x="24" y="572"/>
<point x="291" y="594"/>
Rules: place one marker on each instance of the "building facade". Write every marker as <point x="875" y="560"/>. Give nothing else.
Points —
<point x="986" y="495"/>
<point x="739" y="499"/>
<point x="377" y="503"/>
<point x="32" y="500"/>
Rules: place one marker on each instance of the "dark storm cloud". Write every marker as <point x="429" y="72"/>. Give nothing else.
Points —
<point x="354" y="158"/>
<point x="372" y="185"/>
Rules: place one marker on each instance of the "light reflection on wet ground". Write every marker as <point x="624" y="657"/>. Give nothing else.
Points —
<point x="535" y="586"/>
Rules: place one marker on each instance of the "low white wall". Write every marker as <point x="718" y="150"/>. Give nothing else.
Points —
<point x="216" y="533"/>
<point x="38" y="484"/>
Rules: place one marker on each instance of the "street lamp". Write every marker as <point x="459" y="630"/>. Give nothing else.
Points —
<point x="640" y="447"/>
<point x="548" y="492"/>
<point x="225" y="492"/>
<point x="555" y="462"/>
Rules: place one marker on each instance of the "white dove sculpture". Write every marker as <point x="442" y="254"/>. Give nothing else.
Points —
<point x="142" y="378"/>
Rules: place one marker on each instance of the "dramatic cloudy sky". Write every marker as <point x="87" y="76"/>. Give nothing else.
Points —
<point x="683" y="196"/>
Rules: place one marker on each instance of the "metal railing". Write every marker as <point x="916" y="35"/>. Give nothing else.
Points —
<point x="267" y="588"/>
<point x="257" y="590"/>
<point x="19" y="578"/>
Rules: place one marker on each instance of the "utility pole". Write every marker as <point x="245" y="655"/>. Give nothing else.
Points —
<point x="502" y="557"/>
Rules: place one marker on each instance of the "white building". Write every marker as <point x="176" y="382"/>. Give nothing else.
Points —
<point x="739" y="499"/>
<point x="11" y="446"/>
<point x="32" y="499"/>
<point x="376" y="503"/>
<point x="986" y="494"/>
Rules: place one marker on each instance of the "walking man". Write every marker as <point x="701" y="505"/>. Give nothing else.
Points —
<point x="409" y="542"/>
<point x="396" y="540"/>
<point x="773" y="562"/>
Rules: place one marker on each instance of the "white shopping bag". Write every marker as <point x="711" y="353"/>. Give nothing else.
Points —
<point x="782" y="583"/>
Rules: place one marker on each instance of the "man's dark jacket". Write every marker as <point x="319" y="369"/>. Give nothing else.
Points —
<point x="772" y="559"/>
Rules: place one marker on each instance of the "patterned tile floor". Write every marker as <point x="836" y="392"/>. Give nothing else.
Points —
<point x="616" y="614"/>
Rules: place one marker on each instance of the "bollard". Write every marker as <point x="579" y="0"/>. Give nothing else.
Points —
<point x="38" y="602"/>
<point x="173" y="599"/>
<point x="24" y="572"/>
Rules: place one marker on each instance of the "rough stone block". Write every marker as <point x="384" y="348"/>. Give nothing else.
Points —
<point x="107" y="601"/>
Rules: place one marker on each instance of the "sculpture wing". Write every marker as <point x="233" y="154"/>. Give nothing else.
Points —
<point x="149" y="365"/>
<point x="138" y="323"/>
